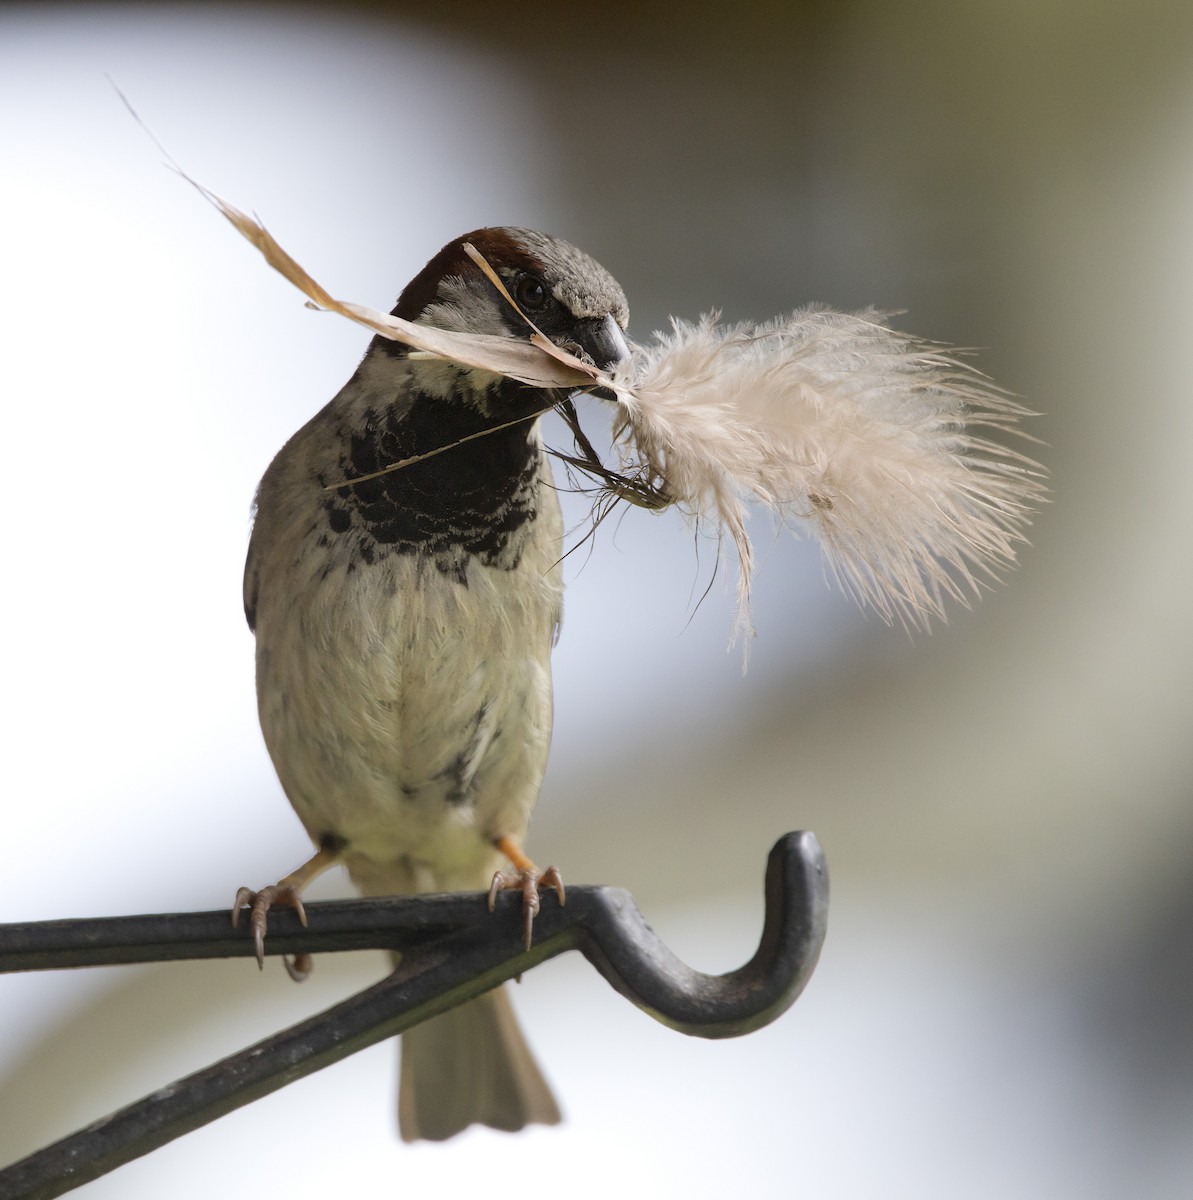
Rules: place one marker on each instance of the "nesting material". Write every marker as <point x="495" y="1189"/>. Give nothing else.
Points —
<point x="873" y="440"/>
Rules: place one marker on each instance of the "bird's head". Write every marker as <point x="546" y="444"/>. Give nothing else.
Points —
<point x="567" y="294"/>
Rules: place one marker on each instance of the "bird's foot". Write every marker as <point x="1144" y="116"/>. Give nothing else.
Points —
<point x="287" y="891"/>
<point x="529" y="880"/>
<point x="259" y="903"/>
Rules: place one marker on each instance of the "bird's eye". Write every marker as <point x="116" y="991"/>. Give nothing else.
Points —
<point x="531" y="294"/>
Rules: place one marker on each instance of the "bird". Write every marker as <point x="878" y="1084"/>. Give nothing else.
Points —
<point x="404" y="626"/>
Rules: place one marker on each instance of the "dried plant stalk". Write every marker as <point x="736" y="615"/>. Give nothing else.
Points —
<point x="529" y="362"/>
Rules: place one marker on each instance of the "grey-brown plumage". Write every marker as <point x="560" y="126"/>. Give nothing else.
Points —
<point x="404" y="628"/>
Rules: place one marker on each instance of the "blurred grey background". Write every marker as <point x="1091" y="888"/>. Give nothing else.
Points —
<point x="1005" y="1003"/>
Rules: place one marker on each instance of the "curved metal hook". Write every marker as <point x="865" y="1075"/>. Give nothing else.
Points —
<point x="629" y="954"/>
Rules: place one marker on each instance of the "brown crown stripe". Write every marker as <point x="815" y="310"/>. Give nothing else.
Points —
<point x="494" y="244"/>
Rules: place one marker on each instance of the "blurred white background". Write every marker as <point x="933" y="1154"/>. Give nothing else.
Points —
<point x="1005" y="1002"/>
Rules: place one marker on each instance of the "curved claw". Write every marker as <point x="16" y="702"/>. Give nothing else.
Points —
<point x="298" y="967"/>
<point x="528" y="882"/>
<point x="243" y="896"/>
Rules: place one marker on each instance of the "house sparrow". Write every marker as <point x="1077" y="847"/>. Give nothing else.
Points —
<point x="404" y="628"/>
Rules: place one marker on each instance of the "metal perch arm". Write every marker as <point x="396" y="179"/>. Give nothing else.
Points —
<point x="452" y="950"/>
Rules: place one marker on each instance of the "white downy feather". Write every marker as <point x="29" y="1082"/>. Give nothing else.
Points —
<point x="838" y="424"/>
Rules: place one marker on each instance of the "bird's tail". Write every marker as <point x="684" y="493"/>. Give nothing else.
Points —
<point x="471" y="1066"/>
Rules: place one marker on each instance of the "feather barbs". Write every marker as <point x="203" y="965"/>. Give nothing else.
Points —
<point x="839" y="424"/>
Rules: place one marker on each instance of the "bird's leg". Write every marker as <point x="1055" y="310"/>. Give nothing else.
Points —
<point x="527" y="879"/>
<point x="287" y="890"/>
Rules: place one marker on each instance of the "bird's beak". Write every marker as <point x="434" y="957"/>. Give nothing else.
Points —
<point x="602" y="340"/>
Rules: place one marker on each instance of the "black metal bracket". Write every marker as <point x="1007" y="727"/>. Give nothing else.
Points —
<point x="452" y="950"/>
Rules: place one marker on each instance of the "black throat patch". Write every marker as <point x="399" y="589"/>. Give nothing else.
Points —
<point x="476" y="500"/>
